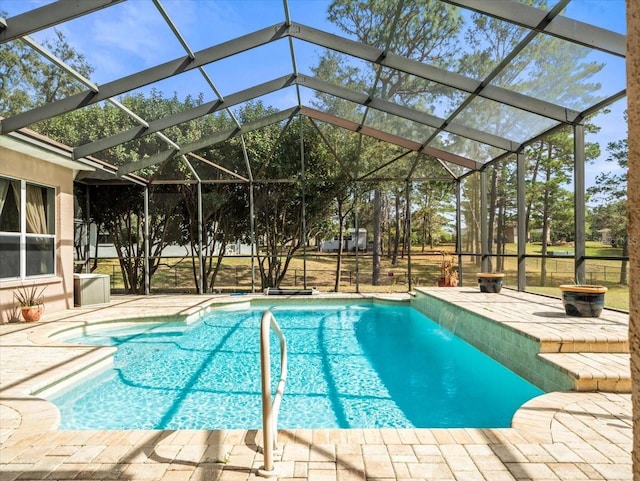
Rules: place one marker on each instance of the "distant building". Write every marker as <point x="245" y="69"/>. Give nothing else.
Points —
<point x="605" y="235"/>
<point x="349" y="242"/>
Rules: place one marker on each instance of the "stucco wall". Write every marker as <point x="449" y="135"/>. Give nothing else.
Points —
<point x="59" y="291"/>
<point x="633" y="186"/>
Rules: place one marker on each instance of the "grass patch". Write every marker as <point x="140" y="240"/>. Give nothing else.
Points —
<point x="176" y="275"/>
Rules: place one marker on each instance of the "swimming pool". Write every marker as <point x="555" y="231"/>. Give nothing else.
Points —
<point x="360" y="365"/>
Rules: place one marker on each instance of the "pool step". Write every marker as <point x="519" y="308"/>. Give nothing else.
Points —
<point x="594" y="343"/>
<point x="594" y="371"/>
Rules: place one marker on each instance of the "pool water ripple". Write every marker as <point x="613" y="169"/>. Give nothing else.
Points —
<point x="350" y="366"/>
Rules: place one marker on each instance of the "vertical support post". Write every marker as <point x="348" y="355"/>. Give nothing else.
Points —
<point x="87" y="225"/>
<point x="304" y="206"/>
<point x="252" y="222"/>
<point x="408" y="224"/>
<point x="268" y="434"/>
<point x="23" y="229"/>
<point x="252" y="217"/>
<point x="147" y="280"/>
<point x="200" y="229"/>
<point x="579" y="201"/>
<point x="459" y="229"/>
<point x="484" y="231"/>
<point x="357" y="234"/>
<point x="522" y="226"/>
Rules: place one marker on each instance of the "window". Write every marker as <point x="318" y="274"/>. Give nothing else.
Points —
<point x="27" y="229"/>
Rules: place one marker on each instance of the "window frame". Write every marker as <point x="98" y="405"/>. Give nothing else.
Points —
<point x="51" y="213"/>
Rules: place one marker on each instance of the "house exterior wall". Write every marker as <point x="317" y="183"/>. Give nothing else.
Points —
<point x="59" y="290"/>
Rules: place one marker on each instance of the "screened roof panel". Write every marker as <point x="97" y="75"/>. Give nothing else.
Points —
<point x="396" y="88"/>
<point x="563" y="73"/>
<point x="545" y="6"/>
<point x="187" y="84"/>
<point x="339" y="107"/>
<point x="398" y="126"/>
<point x="251" y="67"/>
<point x="419" y="93"/>
<point x="467" y="148"/>
<point x="207" y="23"/>
<point x="280" y="99"/>
<point x="479" y="50"/>
<point x="17" y="87"/>
<point x="127" y="30"/>
<point x="610" y="14"/>
<point x="359" y="74"/>
<point x="503" y="120"/>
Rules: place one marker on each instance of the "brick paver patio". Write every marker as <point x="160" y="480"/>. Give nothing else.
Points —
<point x="557" y="436"/>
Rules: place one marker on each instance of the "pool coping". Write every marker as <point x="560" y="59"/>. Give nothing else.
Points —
<point x="540" y="343"/>
<point x="29" y="423"/>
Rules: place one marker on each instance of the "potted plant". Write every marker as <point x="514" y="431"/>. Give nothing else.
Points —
<point x="583" y="300"/>
<point x="31" y="302"/>
<point x="490" y="281"/>
<point x="448" y="272"/>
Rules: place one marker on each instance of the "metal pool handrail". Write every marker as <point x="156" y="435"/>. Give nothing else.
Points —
<point x="270" y="409"/>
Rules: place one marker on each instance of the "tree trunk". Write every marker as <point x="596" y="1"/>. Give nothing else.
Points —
<point x="336" y="285"/>
<point x="534" y="179"/>
<point x="95" y="259"/>
<point x="396" y="240"/>
<point x="500" y="235"/>
<point x="545" y="232"/>
<point x="624" y="279"/>
<point x="493" y="200"/>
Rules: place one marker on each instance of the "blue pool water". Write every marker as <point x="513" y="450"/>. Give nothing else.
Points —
<point x="350" y="366"/>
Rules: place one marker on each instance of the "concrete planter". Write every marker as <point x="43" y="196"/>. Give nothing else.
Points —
<point x="490" y="282"/>
<point x="583" y="300"/>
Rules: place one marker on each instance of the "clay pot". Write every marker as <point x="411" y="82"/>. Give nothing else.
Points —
<point x="32" y="313"/>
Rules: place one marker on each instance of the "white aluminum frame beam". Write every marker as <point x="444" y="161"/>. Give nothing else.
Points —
<point x="434" y="74"/>
<point x="208" y="141"/>
<point x="184" y="116"/>
<point x="561" y="27"/>
<point x="144" y="77"/>
<point x="48" y="16"/>
<point x="407" y="113"/>
<point x="390" y="138"/>
<point x="276" y="32"/>
<point x="283" y="82"/>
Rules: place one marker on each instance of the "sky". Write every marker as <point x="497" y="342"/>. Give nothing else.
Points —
<point x="131" y="36"/>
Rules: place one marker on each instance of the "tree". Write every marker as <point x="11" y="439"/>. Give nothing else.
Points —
<point x="433" y="205"/>
<point x="279" y="198"/>
<point x="566" y="83"/>
<point x="550" y="161"/>
<point x="122" y="220"/>
<point x="423" y="30"/>
<point x="27" y="80"/>
<point x="610" y="192"/>
<point x="119" y="209"/>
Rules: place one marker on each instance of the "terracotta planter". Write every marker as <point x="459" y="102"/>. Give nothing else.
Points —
<point x="583" y="300"/>
<point x="32" y="313"/>
<point x="490" y="282"/>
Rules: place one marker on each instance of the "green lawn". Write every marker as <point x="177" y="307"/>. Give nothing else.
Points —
<point x="176" y="275"/>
